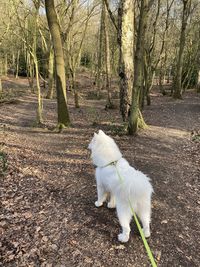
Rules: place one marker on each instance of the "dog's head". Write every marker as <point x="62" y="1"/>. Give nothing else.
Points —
<point x="104" y="149"/>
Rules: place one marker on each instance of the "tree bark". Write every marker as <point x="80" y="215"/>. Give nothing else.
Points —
<point x="198" y="83"/>
<point x="99" y="63"/>
<point x="136" y="120"/>
<point x="40" y="106"/>
<point x="107" y="55"/>
<point x="179" y="68"/>
<point x="50" y="74"/>
<point x="6" y="64"/>
<point x="17" y="64"/>
<point x="35" y="60"/>
<point x="1" y="89"/>
<point x="126" y="39"/>
<point x="63" y="115"/>
<point x="74" y="88"/>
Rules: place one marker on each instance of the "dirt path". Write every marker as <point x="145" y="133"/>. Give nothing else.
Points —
<point x="47" y="212"/>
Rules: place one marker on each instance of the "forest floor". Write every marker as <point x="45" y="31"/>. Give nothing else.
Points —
<point x="47" y="186"/>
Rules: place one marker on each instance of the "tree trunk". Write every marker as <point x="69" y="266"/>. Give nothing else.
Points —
<point x="17" y="64"/>
<point x="198" y="83"/>
<point x="1" y="66"/>
<point x="30" y="72"/>
<point x="40" y="106"/>
<point x="1" y="89"/>
<point x="6" y="65"/>
<point x="126" y="39"/>
<point x="74" y="88"/>
<point x="50" y="74"/>
<point x="107" y="56"/>
<point x="149" y="86"/>
<point x="148" y="75"/>
<point x="63" y="115"/>
<point x="99" y="63"/>
<point x="136" y="120"/>
<point x="161" y="76"/>
<point x="35" y="60"/>
<point x="178" y="77"/>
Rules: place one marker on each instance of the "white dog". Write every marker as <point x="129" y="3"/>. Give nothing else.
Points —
<point x="125" y="187"/>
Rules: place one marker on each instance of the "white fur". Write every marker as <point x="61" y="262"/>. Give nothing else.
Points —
<point x="121" y="183"/>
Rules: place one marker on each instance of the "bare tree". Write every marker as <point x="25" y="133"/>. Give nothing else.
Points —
<point x="107" y="55"/>
<point x="50" y="74"/>
<point x="100" y="58"/>
<point x="136" y="119"/>
<point x="125" y="39"/>
<point x="63" y="115"/>
<point x="153" y="55"/>
<point x="198" y="83"/>
<point x="31" y="47"/>
<point x="179" y="67"/>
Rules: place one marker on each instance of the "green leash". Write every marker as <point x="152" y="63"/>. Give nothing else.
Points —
<point x="146" y="245"/>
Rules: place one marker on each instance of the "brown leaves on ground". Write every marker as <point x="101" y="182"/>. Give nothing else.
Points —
<point x="47" y="190"/>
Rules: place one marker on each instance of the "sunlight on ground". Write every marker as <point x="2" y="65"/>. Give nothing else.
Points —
<point x="170" y="132"/>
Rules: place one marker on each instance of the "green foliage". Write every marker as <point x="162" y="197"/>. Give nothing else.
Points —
<point x="86" y="60"/>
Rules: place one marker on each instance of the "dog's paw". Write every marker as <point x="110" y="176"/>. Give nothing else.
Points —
<point x="98" y="204"/>
<point x="123" y="238"/>
<point x="110" y="205"/>
<point x="146" y="233"/>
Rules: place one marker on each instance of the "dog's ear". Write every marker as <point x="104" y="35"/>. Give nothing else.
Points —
<point x="101" y="132"/>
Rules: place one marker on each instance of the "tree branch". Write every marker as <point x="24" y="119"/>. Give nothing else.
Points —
<point x="111" y="14"/>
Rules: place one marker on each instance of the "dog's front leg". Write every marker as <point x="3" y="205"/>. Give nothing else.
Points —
<point x="101" y="194"/>
<point x="111" y="203"/>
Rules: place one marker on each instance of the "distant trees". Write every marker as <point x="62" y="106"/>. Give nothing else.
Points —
<point x="5" y="14"/>
<point x="103" y="75"/>
<point x="135" y="42"/>
<point x="179" y="66"/>
<point x="198" y="82"/>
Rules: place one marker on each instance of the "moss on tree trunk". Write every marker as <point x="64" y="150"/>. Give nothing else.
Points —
<point x="136" y="120"/>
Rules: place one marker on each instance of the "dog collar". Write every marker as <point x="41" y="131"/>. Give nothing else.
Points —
<point x="114" y="163"/>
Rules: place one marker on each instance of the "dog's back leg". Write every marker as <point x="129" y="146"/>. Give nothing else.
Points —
<point x="124" y="216"/>
<point x="144" y="214"/>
